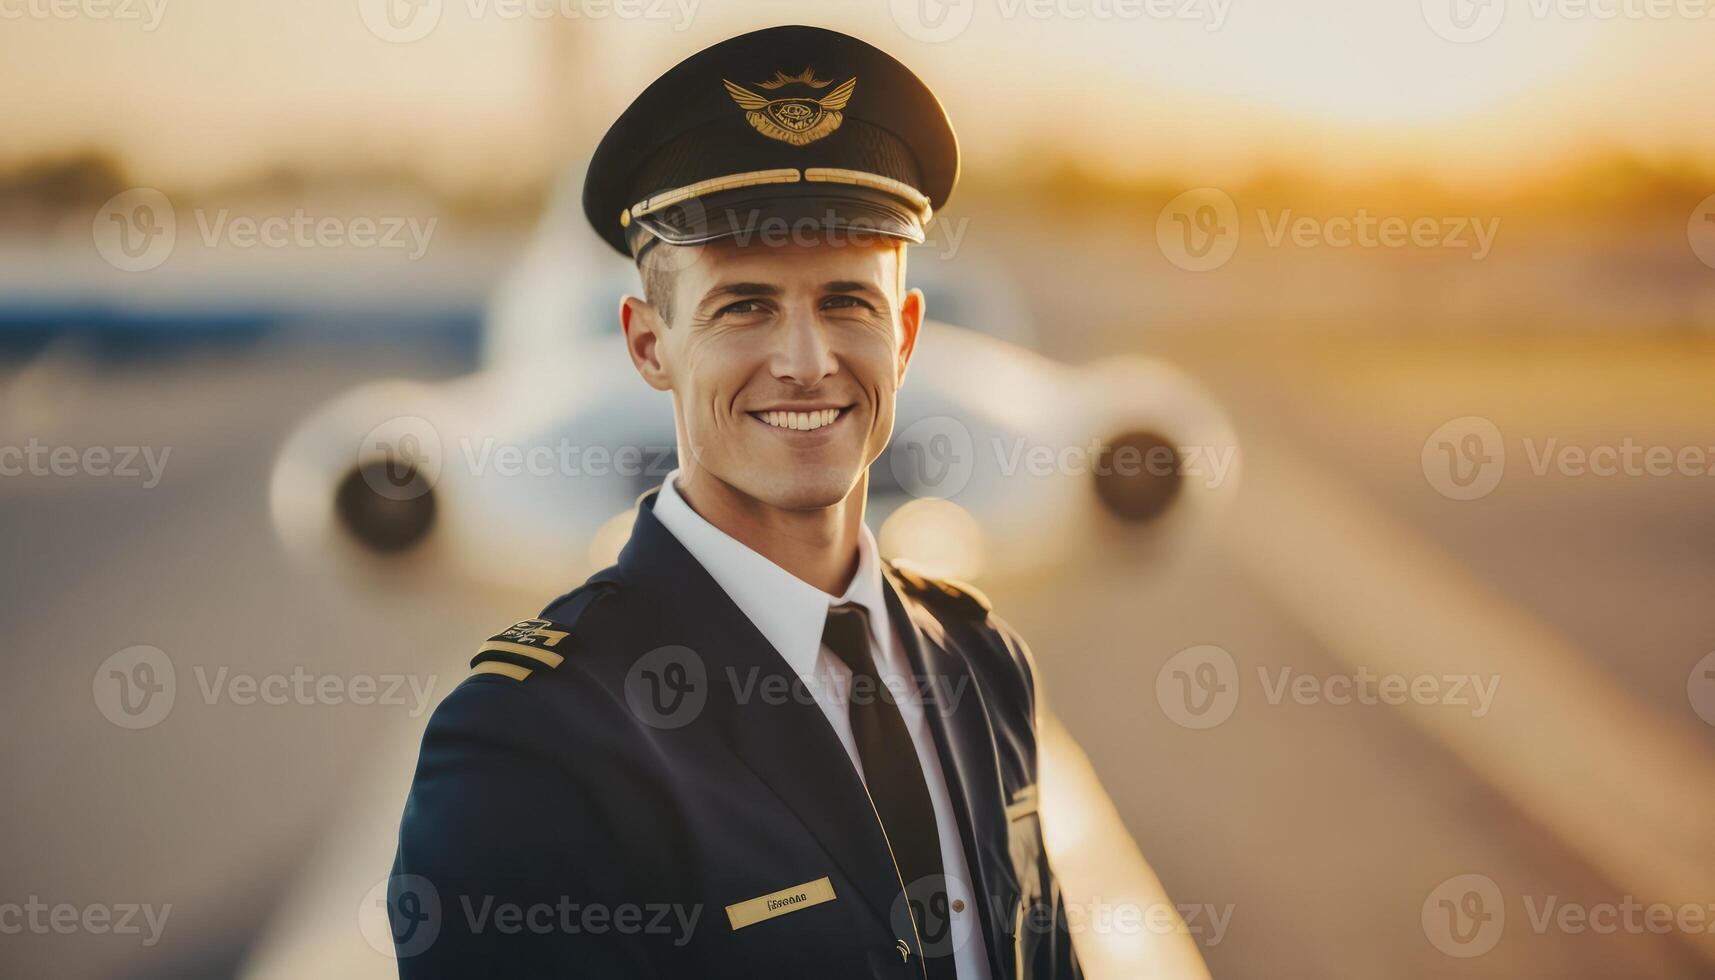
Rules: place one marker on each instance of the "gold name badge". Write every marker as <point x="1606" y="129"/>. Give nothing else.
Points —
<point x="776" y="904"/>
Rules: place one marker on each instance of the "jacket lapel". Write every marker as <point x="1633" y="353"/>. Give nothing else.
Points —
<point x="965" y="742"/>
<point x="784" y="739"/>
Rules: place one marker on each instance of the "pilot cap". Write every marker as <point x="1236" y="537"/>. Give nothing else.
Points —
<point x="770" y="130"/>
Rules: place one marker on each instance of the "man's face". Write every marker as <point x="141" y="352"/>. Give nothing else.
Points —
<point x="784" y="362"/>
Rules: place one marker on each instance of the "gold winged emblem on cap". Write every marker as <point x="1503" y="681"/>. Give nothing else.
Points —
<point x="794" y="120"/>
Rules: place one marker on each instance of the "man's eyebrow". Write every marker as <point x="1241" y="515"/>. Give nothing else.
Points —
<point x="743" y="289"/>
<point x="848" y="286"/>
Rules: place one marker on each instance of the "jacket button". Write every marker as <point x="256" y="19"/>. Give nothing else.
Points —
<point x="904" y="950"/>
<point x="958" y="905"/>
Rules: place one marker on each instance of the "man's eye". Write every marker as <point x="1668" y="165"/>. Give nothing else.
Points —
<point x="845" y="302"/>
<point x="741" y="308"/>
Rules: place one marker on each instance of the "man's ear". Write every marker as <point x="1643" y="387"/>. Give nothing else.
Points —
<point x="643" y="329"/>
<point x="910" y="321"/>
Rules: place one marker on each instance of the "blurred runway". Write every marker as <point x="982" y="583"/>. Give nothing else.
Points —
<point x="1316" y="831"/>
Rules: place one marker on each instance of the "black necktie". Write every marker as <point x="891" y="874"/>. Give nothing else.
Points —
<point x="896" y="785"/>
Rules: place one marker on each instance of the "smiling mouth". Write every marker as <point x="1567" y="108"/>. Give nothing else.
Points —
<point x="801" y="421"/>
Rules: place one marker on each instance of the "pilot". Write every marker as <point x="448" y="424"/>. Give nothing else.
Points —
<point x="754" y="747"/>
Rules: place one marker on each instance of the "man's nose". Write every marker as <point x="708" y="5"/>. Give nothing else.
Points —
<point x="804" y="355"/>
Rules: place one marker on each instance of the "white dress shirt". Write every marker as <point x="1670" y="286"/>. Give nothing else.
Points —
<point x="791" y="613"/>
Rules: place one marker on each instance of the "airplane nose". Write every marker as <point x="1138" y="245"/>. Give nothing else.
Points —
<point x="387" y="506"/>
<point x="1137" y="476"/>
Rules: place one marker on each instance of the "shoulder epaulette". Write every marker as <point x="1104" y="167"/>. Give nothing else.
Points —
<point x="521" y="649"/>
<point x="944" y="592"/>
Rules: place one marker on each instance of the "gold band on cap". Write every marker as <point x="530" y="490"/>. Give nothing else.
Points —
<point x="731" y="182"/>
<point x="784" y="175"/>
<point x="875" y="182"/>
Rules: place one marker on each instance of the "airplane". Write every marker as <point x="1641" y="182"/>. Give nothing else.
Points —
<point x="523" y="475"/>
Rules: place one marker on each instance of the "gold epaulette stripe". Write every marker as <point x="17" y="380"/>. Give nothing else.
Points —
<point x="547" y="657"/>
<point x="502" y="668"/>
<point x="1024" y="804"/>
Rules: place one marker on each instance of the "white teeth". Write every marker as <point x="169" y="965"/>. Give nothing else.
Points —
<point x="801" y="421"/>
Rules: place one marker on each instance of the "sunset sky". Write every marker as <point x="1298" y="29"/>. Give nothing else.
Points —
<point x="1208" y="89"/>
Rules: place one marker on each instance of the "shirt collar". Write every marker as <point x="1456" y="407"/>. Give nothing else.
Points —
<point x="788" y="611"/>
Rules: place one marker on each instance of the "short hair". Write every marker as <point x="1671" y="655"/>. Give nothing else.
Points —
<point x="659" y="278"/>
<point x="658" y="282"/>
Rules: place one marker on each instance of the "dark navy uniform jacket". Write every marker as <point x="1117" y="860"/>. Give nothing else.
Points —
<point x="637" y="785"/>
